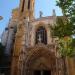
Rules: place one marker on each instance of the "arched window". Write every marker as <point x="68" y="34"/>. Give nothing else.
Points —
<point x="41" y="35"/>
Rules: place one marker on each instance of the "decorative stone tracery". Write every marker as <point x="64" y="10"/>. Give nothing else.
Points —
<point x="39" y="58"/>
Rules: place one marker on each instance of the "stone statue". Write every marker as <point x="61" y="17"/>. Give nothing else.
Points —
<point x="39" y="38"/>
<point x="41" y="13"/>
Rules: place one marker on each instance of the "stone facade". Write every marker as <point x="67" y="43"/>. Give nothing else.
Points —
<point x="28" y="57"/>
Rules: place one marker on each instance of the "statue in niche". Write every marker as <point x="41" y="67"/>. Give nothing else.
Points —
<point x="41" y="13"/>
<point x="39" y="38"/>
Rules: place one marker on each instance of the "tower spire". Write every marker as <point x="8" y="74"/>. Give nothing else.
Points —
<point x="27" y="8"/>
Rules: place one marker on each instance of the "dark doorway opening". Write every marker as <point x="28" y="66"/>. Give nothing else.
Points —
<point x="42" y="72"/>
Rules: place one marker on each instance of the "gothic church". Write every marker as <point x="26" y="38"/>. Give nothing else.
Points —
<point x="29" y="42"/>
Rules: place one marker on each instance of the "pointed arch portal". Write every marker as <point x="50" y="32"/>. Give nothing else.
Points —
<point x="39" y="61"/>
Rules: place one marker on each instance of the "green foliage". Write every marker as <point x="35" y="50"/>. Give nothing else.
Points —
<point x="68" y="9"/>
<point x="66" y="5"/>
<point x="1" y="50"/>
<point x="62" y="28"/>
<point x="64" y="31"/>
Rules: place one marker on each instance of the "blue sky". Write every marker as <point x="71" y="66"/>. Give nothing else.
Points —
<point x="6" y="6"/>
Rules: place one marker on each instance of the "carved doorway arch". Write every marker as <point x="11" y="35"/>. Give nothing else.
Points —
<point x="39" y="58"/>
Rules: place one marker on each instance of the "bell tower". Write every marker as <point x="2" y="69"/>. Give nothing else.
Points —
<point x="27" y="8"/>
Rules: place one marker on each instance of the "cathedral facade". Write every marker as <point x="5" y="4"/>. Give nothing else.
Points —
<point x="32" y="48"/>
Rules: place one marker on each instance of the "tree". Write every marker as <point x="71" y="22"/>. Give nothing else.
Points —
<point x="68" y="9"/>
<point x="62" y="28"/>
<point x="66" y="46"/>
<point x="64" y="31"/>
